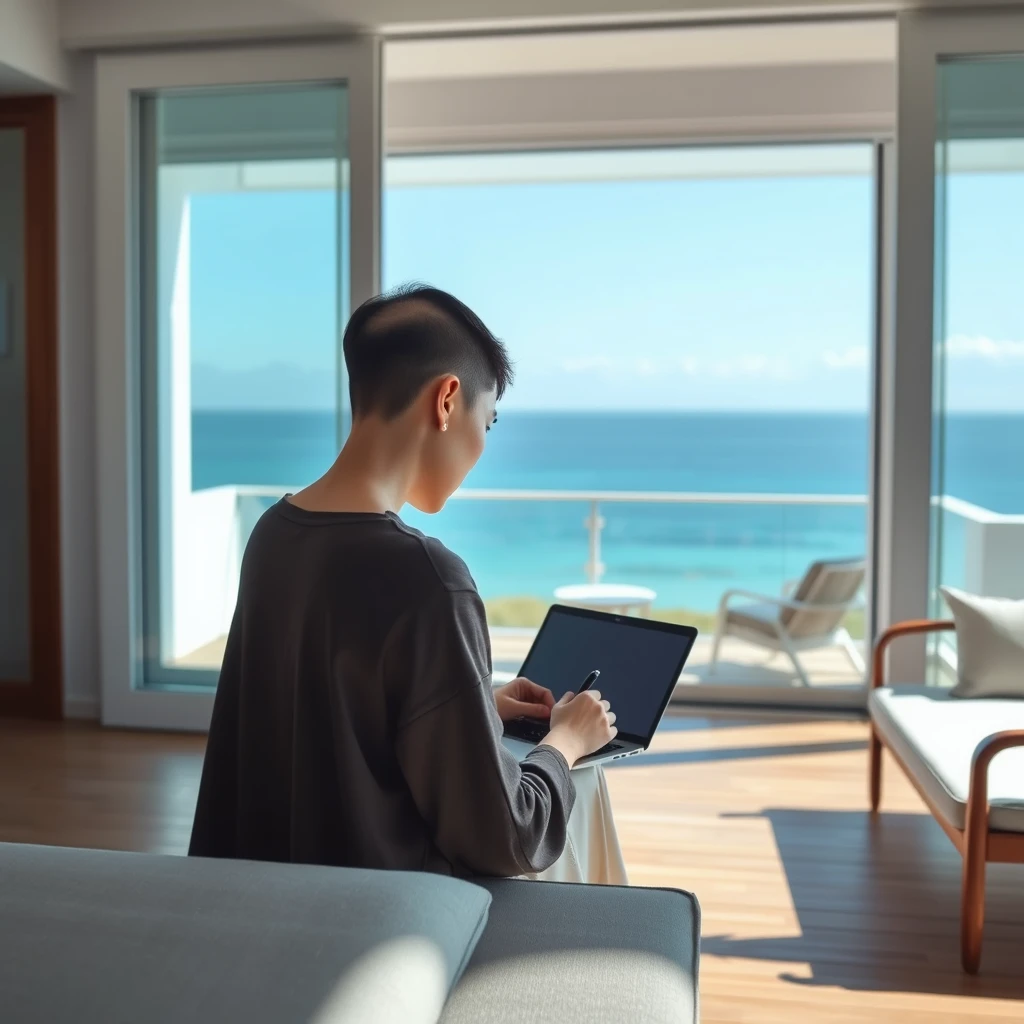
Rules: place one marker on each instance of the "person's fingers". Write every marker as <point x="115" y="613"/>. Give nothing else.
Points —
<point x="529" y="709"/>
<point x="566" y="697"/>
<point x="537" y="692"/>
<point x="596" y="694"/>
<point x="611" y="717"/>
<point x="615" y="732"/>
<point x="606" y="705"/>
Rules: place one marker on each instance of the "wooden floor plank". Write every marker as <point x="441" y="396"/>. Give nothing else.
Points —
<point x="812" y="909"/>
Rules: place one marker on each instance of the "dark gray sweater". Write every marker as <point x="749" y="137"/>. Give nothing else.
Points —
<point x="354" y="722"/>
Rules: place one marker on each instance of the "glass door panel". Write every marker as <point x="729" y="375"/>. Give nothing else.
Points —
<point x="978" y="446"/>
<point x="14" y="546"/>
<point x="244" y="228"/>
<point x="693" y="331"/>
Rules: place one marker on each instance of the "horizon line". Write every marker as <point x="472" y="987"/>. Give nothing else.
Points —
<point x="667" y="411"/>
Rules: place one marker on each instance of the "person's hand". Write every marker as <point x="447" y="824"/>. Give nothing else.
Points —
<point x="523" y="698"/>
<point x="580" y="725"/>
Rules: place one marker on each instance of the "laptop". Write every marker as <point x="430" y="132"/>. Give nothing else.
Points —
<point x="640" y="662"/>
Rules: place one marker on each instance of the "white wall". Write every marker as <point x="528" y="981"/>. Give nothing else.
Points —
<point x="75" y="228"/>
<point x="30" y="43"/>
<point x="86" y="23"/>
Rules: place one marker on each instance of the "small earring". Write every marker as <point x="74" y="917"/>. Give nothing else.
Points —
<point x="444" y="426"/>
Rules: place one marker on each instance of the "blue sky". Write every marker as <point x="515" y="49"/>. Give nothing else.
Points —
<point x="741" y="293"/>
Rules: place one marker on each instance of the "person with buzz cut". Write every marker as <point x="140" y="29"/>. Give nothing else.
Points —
<point x="355" y="723"/>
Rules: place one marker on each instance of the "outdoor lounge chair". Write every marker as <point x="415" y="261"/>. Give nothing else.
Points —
<point x="808" y="616"/>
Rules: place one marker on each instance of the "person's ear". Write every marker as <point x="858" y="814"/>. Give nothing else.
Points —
<point x="446" y="392"/>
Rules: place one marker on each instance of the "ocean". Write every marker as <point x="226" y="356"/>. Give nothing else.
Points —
<point x="688" y="554"/>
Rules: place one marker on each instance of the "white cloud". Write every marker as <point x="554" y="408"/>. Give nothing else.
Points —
<point x="604" y="365"/>
<point x="588" y="364"/>
<point x="963" y="346"/>
<point x="853" y="358"/>
<point x="752" y="366"/>
<point x="747" y="366"/>
<point x="280" y="386"/>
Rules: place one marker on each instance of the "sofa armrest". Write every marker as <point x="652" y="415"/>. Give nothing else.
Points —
<point x="901" y="629"/>
<point x="582" y="954"/>
<point x="976" y="822"/>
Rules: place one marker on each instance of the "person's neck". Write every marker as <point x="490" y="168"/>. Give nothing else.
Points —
<point x="372" y="473"/>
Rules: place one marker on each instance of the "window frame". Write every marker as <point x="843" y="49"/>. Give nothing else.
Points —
<point x="724" y="693"/>
<point x="120" y="78"/>
<point x="907" y="410"/>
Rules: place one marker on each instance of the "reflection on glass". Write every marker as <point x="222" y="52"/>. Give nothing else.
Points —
<point x="14" y="570"/>
<point x="978" y="458"/>
<point x="244" y="209"/>
<point x="683" y="320"/>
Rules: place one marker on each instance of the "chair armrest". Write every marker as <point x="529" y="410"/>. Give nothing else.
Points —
<point x="902" y="629"/>
<point x="976" y="823"/>
<point x="784" y="602"/>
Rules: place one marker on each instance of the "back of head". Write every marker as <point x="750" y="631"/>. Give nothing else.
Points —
<point x="397" y="343"/>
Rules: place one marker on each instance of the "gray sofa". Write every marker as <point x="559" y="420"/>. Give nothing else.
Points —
<point x="93" y="937"/>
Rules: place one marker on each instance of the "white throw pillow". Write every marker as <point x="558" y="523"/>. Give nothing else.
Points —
<point x="989" y="643"/>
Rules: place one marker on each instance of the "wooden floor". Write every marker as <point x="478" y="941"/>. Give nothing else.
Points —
<point x="812" y="910"/>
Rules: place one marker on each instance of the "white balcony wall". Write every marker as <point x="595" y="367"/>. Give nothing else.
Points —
<point x="992" y="553"/>
<point x="207" y="558"/>
<point x="199" y="548"/>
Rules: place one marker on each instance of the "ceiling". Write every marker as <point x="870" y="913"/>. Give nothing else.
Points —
<point x="93" y="23"/>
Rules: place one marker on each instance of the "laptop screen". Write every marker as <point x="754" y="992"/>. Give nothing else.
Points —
<point x="640" y="662"/>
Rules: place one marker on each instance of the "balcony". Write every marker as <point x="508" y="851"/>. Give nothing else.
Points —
<point x="981" y="550"/>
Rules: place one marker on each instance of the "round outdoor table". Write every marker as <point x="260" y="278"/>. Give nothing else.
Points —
<point x="608" y="597"/>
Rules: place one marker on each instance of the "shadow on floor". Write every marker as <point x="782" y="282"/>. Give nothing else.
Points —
<point x="738" y="753"/>
<point x="827" y="669"/>
<point x="877" y="901"/>
<point x="690" y="717"/>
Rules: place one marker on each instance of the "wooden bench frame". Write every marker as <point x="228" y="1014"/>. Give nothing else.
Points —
<point x="977" y="843"/>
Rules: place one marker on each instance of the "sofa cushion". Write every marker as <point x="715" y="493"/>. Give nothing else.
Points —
<point x="989" y="644"/>
<point x="935" y="736"/>
<point x="118" y="937"/>
<point x="582" y="954"/>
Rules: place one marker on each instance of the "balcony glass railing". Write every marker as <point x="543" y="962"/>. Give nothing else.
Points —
<point x="689" y="548"/>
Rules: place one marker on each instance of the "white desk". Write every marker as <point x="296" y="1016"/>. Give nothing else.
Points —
<point x="622" y="598"/>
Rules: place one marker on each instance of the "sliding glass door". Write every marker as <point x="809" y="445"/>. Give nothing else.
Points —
<point x="244" y="246"/>
<point x="251" y="213"/>
<point x="959" y="317"/>
<point x="693" y="329"/>
<point x="978" y="542"/>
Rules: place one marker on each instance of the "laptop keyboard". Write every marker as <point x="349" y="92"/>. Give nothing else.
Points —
<point x="528" y="729"/>
<point x="534" y="732"/>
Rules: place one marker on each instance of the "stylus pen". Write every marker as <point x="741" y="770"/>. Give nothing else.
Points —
<point x="590" y="680"/>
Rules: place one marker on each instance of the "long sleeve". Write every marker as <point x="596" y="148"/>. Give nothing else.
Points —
<point x="488" y="813"/>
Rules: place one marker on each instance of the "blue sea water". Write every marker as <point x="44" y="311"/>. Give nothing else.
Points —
<point x="689" y="554"/>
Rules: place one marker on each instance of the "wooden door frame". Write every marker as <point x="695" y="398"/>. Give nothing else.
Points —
<point x="41" y="695"/>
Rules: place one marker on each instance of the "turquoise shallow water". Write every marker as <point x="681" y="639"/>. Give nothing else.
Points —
<point x="688" y="553"/>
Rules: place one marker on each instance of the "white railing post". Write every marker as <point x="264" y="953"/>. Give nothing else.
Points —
<point x="594" y="524"/>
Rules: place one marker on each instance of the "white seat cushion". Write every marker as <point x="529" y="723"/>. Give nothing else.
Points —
<point x="935" y="736"/>
<point x="758" y="618"/>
